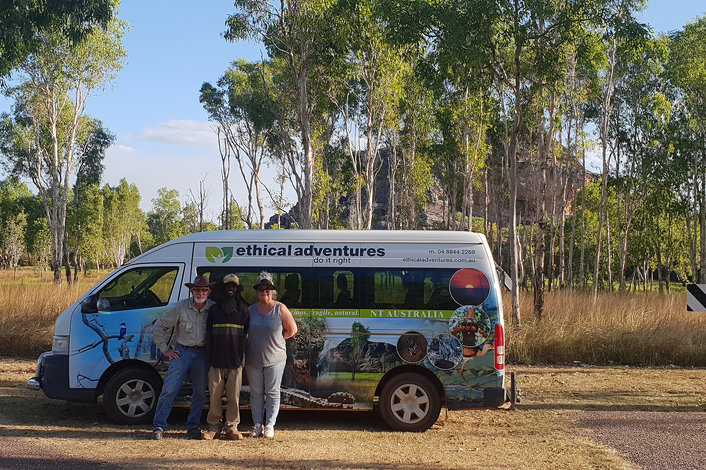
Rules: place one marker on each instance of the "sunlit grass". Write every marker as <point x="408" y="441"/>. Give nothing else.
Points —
<point x="31" y="304"/>
<point x="634" y="329"/>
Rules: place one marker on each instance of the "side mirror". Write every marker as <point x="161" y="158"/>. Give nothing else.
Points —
<point x="90" y="304"/>
<point x="506" y="280"/>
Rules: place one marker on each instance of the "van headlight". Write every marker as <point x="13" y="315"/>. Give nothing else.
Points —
<point x="60" y="345"/>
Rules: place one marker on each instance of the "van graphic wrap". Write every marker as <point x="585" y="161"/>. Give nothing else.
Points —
<point x="424" y="315"/>
<point x="101" y="339"/>
<point x="385" y="318"/>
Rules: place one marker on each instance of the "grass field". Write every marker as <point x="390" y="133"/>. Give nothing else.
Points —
<point x="637" y="329"/>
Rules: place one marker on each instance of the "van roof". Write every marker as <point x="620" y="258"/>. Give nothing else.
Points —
<point x="322" y="236"/>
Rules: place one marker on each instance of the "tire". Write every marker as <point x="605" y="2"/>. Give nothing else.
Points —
<point x="410" y="402"/>
<point x="130" y="396"/>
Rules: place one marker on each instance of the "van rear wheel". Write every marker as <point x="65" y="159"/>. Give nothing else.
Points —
<point x="130" y="396"/>
<point x="410" y="402"/>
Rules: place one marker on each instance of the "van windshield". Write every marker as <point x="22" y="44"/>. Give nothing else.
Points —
<point x="138" y="288"/>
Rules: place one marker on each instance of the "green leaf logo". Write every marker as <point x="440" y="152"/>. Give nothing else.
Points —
<point x="215" y="254"/>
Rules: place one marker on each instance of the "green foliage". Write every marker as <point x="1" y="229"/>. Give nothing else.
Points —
<point x="13" y="221"/>
<point x="49" y="135"/>
<point x="360" y="335"/>
<point x="163" y="220"/>
<point x="123" y="220"/>
<point x="25" y="24"/>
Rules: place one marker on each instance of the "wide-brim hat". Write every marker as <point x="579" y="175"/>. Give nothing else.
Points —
<point x="200" y="281"/>
<point x="264" y="281"/>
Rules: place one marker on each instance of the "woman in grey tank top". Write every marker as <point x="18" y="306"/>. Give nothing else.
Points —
<point x="271" y="323"/>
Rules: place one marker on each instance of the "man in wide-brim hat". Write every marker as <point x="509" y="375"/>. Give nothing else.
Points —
<point x="181" y="336"/>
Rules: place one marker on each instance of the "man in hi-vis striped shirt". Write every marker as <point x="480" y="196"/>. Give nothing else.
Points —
<point x="226" y="329"/>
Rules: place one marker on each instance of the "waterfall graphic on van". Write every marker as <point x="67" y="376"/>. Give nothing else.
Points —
<point x="219" y="255"/>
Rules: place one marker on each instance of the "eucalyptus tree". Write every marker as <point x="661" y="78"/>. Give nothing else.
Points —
<point x="84" y="229"/>
<point x="370" y="90"/>
<point x="84" y="225"/>
<point x="13" y="221"/>
<point x="581" y="88"/>
<point x="621" y="33"/>
<point x="25" y="24"/>
<point x="245" y="117"/>
<point x="408" y="132"/>
<point x="638" y="132"/>
<point x="122" y="220"/>
<point x="164" y="220"/>
<point x="296" y="31"/>
<point x="57" y="81"/>
<point x="686" y="72"/>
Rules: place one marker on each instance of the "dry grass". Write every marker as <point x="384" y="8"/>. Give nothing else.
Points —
<point x="638" y="329"/>
<point x="30" y="305"/>
<point x="539" y="433"/>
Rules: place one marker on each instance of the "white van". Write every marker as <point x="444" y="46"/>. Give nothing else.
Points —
<point x="400" y="321"/>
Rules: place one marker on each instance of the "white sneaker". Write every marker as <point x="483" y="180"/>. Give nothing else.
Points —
<point x="256" y="430"/>
<point x="269" y="431"/>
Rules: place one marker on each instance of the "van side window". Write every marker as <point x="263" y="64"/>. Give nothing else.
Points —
<point x="387" y="289"/>
<point x="343" y="289"/>
<point x="138" y="288"/>
<point x="407" y="288"/>
<point x="292" y="293"/>
<point x="436" y="291"/>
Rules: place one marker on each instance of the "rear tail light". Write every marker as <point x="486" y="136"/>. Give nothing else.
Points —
<point x="499" y="347"/>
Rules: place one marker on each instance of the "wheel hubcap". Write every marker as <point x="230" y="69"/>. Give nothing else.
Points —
<point x="135" y="398"/>
<point x="409" y="403"/>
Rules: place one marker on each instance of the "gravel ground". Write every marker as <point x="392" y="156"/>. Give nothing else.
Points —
<point x="17" y="454"/>
<point x="652" y="439"/>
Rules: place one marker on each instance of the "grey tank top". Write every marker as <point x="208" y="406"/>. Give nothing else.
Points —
<point x="265" y="345"/>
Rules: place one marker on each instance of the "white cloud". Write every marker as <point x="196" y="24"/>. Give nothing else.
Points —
<point x="176" y="154"/>
<point x="149" y="172"/>
<point x="180" y="132"/>
<point x="122" y="148"/>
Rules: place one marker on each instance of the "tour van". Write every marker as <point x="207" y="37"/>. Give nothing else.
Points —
<point x="402" y="322"/>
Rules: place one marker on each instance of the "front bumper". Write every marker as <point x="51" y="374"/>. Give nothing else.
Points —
<point x="52" y="376"/>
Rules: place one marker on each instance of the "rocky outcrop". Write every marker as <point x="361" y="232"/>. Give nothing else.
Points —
<point x="372" y="357"/>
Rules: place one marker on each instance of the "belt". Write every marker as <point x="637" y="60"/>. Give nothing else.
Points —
<point x="192" y="347"/>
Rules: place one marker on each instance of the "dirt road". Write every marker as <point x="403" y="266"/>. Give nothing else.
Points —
<point x="652" y="439"/>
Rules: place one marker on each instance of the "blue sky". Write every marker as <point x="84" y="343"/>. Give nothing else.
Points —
<point x="163" y="137"/>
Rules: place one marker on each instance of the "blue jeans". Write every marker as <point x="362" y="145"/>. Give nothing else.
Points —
<point x="194" y="359"/>
<point x="265" y="392"/>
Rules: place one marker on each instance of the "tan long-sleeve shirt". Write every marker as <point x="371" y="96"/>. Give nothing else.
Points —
<point x="183" y="323"/>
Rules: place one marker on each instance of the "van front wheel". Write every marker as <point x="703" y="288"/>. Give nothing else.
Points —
<point x="130" y="396"/>
<point x="410" y="402"/>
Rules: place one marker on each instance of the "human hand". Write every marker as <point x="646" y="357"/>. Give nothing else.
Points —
<point x="171" y="354"/>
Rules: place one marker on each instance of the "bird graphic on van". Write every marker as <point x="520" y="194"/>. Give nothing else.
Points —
<point x="216" y="255"/>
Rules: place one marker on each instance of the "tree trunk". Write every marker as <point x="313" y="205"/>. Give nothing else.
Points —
<point x="702" y="221"/>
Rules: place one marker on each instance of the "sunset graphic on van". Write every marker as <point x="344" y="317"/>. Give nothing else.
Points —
<point x="469" y="287"/>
